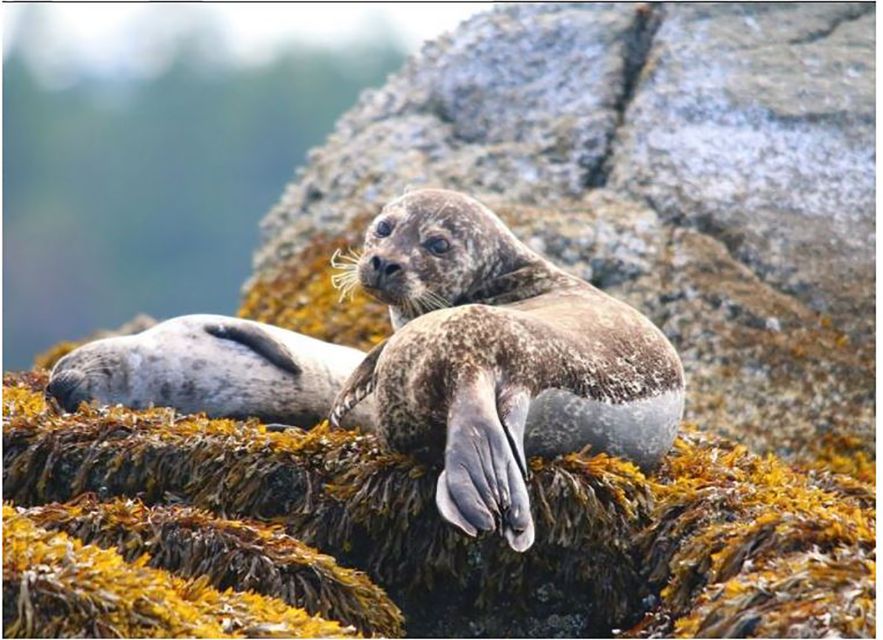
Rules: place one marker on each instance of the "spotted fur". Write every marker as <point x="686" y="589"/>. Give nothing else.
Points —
<point x="223" y="366"/>
<point x="514" y="326"/>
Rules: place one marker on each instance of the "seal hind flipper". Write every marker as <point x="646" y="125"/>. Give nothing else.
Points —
<point x="357" y="386"/>
<point x="258" y="341"/>
<point x="482" y="485"/>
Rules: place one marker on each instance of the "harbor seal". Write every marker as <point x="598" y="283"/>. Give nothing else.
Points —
<point x="500" y="355"/>
<point x="223" y="366"/>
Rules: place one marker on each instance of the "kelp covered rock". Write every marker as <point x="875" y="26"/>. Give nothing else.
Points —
<point x="612" y="544"/>
<point x="347" y="495"/>
<point x="55" y="586"/>
<point x="805" y="595"/>
<point x="729" y="523"/>
<point x="230" y="554"/>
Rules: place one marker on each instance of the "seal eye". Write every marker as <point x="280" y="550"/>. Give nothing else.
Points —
<point x="383" y="229"/>
<point x="438" y="246"/>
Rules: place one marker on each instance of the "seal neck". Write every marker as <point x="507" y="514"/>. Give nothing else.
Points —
<point x="528" y="277"/>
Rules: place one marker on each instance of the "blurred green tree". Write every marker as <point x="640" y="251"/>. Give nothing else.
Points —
<point x="124" y="195"/>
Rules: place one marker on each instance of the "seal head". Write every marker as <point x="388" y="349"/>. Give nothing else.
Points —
<point x="432" y="249"/>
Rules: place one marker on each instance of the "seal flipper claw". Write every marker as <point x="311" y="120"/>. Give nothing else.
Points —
<point x="357" y="387"/>
<point x="257" y="340"/>
<point x="482" y="476"/>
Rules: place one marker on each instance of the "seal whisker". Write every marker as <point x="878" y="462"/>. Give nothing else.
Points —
<point x="431" y="301"/>
<point x="438" y="301"/>
<point x="344" y="278"/>
<point x="345" y="269"/>
<point x="414" y="308"/>
<point x="348" y="264"/>
<point x="339" y="280"/>
<point x="345" y="291"/>
<point x="345" y="285"/>
<point x="444" y="205"/>
<point x="345" y="261"/>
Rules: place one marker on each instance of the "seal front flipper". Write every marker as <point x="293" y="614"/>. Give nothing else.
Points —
<point x="482" y="485"/>
<point x="357" y="386"/>
<point x="258" y="341"/>
<point x="513" y="404"/>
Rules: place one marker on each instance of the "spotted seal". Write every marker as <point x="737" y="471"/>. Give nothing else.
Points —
<point x="500" y="355"/>
<point x="223" y="366"/>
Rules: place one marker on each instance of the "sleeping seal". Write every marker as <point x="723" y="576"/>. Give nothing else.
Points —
<point x="500" y="355"/>
<point x="223" y="366"/>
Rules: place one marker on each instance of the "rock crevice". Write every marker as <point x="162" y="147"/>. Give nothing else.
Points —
<point x="637" y="45"/>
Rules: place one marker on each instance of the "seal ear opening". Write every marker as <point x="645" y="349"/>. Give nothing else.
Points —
<point x="259" y="341"/>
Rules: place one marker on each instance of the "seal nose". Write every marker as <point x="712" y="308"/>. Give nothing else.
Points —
<point x="66" y="387"/>
<point x="384" y="270"/>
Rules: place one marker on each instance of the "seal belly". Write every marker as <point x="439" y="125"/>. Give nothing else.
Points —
<point x="643" y="430"/>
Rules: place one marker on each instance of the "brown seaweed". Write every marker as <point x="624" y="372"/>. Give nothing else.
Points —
<point x="55" y="586"/>
<point x="724" y="514"/>
<point x="346" y="494"/>
<point x="245" y="556"/>
<point x="610" y="541"/>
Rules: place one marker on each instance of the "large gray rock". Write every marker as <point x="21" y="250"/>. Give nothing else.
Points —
<point x="712" y="164"/>
<point x="521" y="101"/>
<point x="756" y="124"/>
<point x="753" y="123"/>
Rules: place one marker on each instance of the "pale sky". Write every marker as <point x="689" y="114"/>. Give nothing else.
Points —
<point x="120" y="38"/>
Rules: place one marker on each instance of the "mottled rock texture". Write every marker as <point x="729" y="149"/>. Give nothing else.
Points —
<point x="756" y="125"/>
<point x="712" y="164"/>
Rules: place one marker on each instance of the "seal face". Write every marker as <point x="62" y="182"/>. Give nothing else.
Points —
<point x="498" y="355"/>
<point x="429" y="249"/>
<point x="225" y="367"/>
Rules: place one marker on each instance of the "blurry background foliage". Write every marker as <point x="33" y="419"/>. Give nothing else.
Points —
<point x="126" y="192"/>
